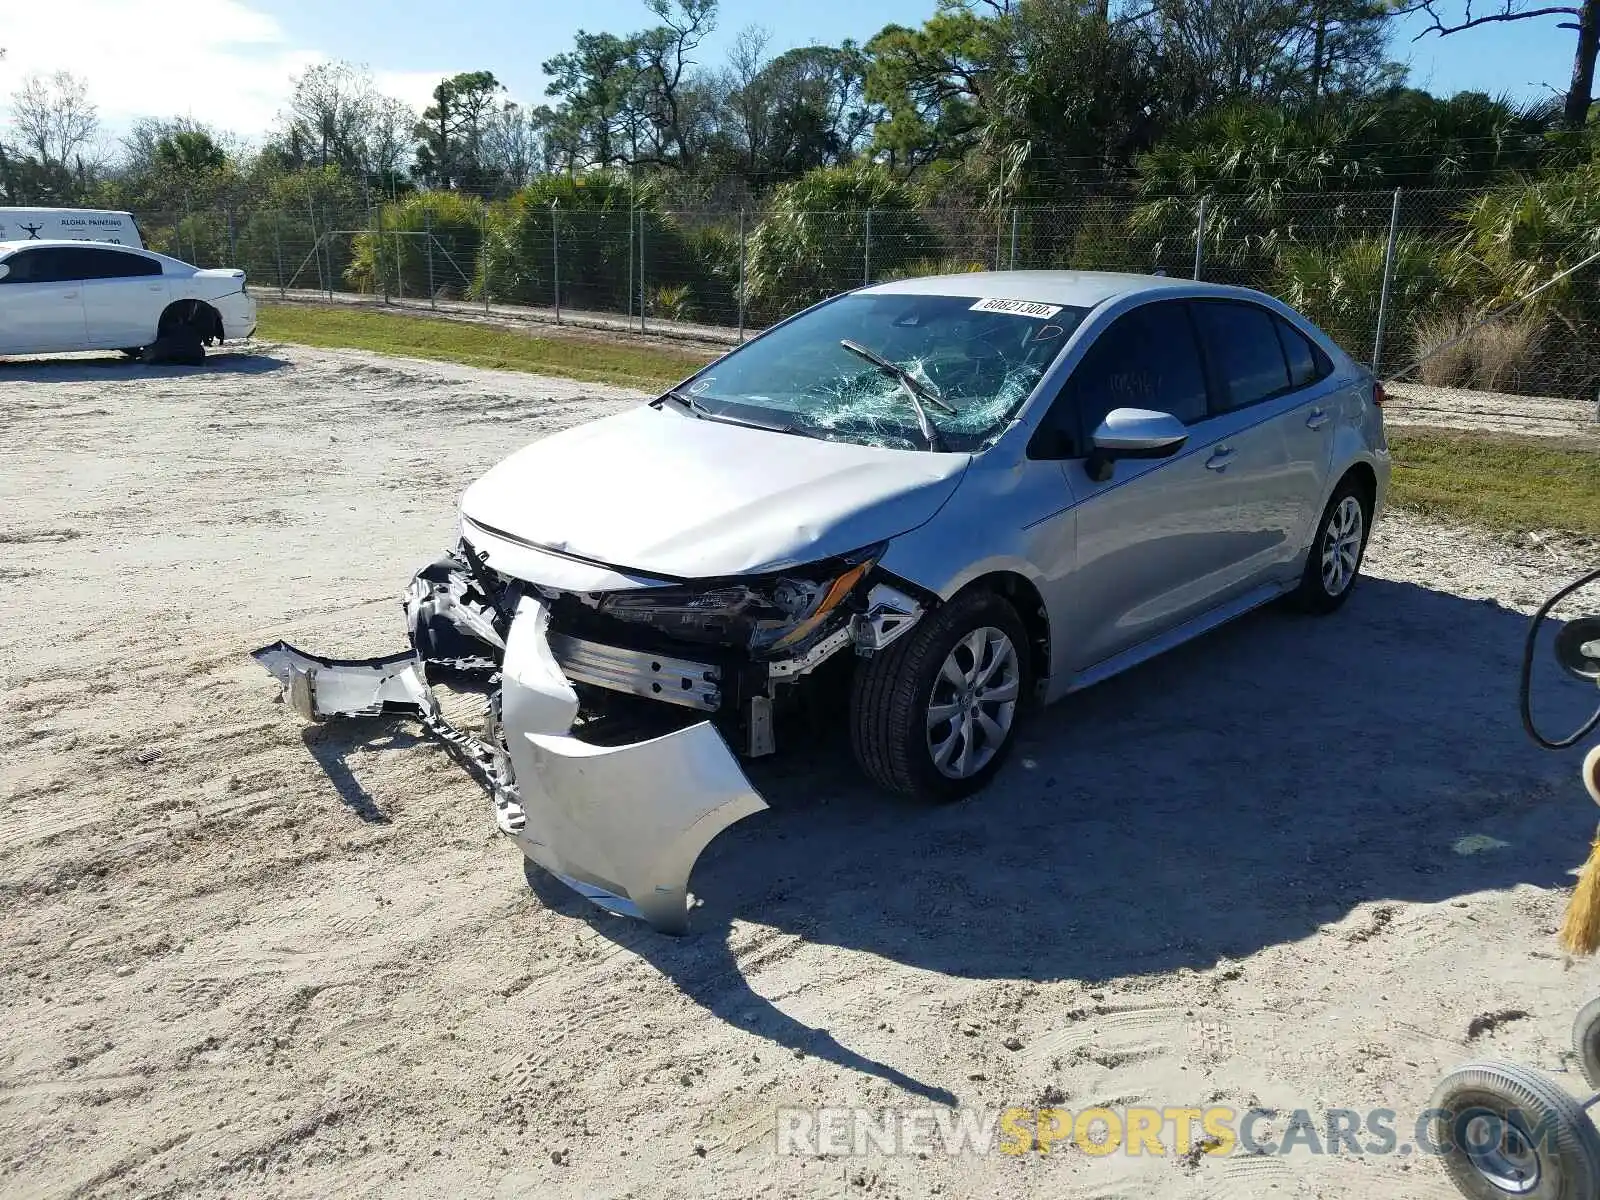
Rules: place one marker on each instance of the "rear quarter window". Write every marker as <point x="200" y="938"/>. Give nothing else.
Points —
<point x="1307" y="361"/>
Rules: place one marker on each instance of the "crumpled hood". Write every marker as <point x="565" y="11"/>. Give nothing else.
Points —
<point x="652" y="491"/>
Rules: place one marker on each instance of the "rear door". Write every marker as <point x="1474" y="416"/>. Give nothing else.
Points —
<point x="1308" y="426"/>
<point x="123" y="295"/>
<point x="41" y="302"/>
<point x="1254" y="403"/>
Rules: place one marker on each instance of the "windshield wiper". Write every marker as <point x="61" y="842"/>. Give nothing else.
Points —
<point x="705" y="414"/>
<point x="916" y="390"/>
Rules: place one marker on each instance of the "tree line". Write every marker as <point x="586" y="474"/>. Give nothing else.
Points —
<point x="987" y="102"/>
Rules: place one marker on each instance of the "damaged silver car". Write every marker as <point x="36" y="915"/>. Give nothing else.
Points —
<point x="922" y="507"/>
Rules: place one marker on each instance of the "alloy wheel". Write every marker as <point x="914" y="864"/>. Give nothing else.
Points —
<point x="1341" y="546"/>
<point x="973" y="702"/>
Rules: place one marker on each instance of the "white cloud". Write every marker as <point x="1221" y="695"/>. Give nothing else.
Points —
<point x="223" y="63"/>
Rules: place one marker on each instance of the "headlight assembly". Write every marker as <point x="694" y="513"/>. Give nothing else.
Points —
<point x="762" y="613"/>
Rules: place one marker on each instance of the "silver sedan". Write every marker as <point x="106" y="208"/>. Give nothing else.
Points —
<point x="926" y="506"/>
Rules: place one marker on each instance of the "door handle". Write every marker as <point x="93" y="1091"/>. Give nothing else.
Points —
<point x="1219" y="459"/>
<point x="154" y="287"/>
<point x="69" y="295"/>
<point x="1317" y="419"/>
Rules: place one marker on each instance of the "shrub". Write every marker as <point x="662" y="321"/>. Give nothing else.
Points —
<point x="934" y="266"/>
<point x="403" y="261"/>
<point x="1461" y="350"/>
<point x="597" y="219"/>
<point x="673" y="303"/>
<point x="812" y="242"/>
<point x="1340" y="287"/>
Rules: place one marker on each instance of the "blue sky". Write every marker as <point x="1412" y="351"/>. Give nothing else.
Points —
<point x="512" y="39"/>
<point x="231" y="62"/>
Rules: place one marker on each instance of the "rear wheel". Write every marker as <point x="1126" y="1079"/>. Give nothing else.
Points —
<point x="933" y="715"/>
<point x="185" y="329"/>
<point x="1335" y="557"/>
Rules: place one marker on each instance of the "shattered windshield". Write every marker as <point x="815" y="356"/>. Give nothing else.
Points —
<point x="978" y="357"/>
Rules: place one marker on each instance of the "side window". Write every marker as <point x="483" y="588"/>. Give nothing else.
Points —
<point x="51" y="265"/>
<point x="95" y="263"/>
<point x="1307" y="362"/>
<point x="1243" y="347"/>
<point x="1147" y="358"/>
<point x="19" y="268"/>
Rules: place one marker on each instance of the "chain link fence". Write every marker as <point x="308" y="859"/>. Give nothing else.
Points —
<point x="1436" y="289"/>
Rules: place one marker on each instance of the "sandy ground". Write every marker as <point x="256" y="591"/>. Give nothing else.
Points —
<point x="1463" y="408"/>
<point x="1291" y="866"/>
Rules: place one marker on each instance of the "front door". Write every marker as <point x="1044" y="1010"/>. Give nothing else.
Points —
<point x="41" y="303"/>
<point x="1155" y="543"/>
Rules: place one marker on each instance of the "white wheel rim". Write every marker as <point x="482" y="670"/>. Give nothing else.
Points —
<point x="973" y="703"/>
<point x="1341" y="546"/>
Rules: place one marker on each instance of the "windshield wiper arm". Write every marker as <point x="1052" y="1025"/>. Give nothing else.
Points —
<point x="916" y="391"/>
<point x="705" y="414"/>
<point x="894" y="369"/>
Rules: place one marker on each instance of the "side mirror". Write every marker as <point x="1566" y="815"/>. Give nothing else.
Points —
<point x="1133" y="433"/>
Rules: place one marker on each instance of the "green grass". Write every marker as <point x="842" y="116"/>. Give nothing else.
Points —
<point x="589" y="356"/>
<point x="1504" y="481"/>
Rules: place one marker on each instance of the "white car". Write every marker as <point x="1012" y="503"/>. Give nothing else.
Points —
<point x="62" y="295"/>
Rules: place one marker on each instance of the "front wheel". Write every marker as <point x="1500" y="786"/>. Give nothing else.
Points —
<point x="933" y="715"/>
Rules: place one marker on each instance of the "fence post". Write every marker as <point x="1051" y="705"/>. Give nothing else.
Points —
<point x="555" y="259"/>
<point x="1388" y="273"/>
<point x="327" y="252"/>
<point x="866" y="252"/>
<point x="741" y="275"/>
<point x="1015" y="217"/>
<point x="316" y="242"/>
<point x="277" y="243"/>
<point x="641" y="270"/>
<point x="629" y="240"/>
<point x="378" y="254"/>
<point x="427" y="234"/>
<point x="1200" y="235"/>
<point x="233" y="241"/>
<point x="483" y="256"/>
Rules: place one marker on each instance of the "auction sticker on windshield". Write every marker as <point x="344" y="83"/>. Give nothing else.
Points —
<point x="1021" y="308"/>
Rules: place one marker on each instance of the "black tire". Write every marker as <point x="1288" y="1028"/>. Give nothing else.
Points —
<point x="181" y="346"/>
<point x="893" y="690"/>
<point x="1315" y="594"/>
<point x="1586" y="1041"/>
<point x="1501" y="1119"/>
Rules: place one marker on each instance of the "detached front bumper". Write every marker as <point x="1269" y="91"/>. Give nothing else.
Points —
<point x="620" y="824"/>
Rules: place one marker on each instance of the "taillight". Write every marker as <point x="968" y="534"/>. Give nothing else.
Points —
<point x="1379" y="396"/>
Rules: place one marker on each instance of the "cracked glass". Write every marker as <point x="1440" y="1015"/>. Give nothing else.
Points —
<point x="980" y="363"/>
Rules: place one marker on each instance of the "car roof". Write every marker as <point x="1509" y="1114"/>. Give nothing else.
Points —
<point x="1082" y="289"/>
